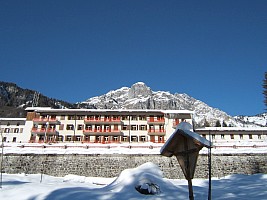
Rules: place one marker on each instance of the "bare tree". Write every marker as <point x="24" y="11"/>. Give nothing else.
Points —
<point x="264" y="85"/>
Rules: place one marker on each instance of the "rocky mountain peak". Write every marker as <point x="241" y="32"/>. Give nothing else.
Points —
<point x="139" y="89"/>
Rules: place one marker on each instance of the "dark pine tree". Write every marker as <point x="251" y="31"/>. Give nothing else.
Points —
<point x="218" y="124"/>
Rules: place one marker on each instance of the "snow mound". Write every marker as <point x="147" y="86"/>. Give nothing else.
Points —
<point x="147" y="177"/>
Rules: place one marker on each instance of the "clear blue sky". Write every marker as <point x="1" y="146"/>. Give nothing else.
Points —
<point x="214" y="51"/>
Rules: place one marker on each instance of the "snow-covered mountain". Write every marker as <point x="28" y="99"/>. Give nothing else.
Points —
<point x="260" y="119"/>
<point x="140" y="96"/>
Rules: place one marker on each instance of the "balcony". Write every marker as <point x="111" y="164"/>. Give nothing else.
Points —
<point x="102" y="120"/>
<point x="158" y="132"/>
<point x="102" y="132"/>
<point x="49" y="131"/>
<point x="156" y="121"/>
<point x="45" y="120"/>
<point x="175" y="123"/>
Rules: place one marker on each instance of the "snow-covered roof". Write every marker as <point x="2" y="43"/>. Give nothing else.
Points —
<point x="177" y="111"/>
<point x="12" y="119"/>
<point x="49" y="109"/>
<point x="183" y="129"/>
<point x="38" y="108"/>
<point x="232" y="129"/>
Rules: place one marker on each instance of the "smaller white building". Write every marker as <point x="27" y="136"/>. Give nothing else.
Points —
<point x="234" y="134"/>
<point x="12" y="130"/>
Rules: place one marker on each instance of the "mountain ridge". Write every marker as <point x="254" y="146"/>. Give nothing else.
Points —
<point x="140" y="96"/>
<point x="14" y="100"/>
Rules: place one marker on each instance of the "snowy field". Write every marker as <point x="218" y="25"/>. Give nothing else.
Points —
<point x="147" y="177"/>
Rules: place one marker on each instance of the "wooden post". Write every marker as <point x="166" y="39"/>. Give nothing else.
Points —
<point x="190" y="189"/>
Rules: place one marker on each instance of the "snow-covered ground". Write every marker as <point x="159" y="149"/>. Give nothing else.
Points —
<point x="44" y="187"/>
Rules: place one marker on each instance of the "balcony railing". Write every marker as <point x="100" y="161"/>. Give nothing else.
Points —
<point x="102" y="132"/>
<point x="102" y="120"/>
<point x="156" y="121"/>
<point x="159" y="132"/>
<point x="175" y="123"/>
<point x="45" y="120"/>
<point x="156" y="130"/>
<point x="44" y="130"/>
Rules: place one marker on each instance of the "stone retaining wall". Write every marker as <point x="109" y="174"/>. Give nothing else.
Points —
<point x="111" y="165"/>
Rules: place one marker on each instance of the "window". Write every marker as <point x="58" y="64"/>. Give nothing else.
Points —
<point x="160" y="138"/>
<point x="4" y="139"/>
<point x="60" y="138"/>
<point x="87" y="138"/>
<point x="98" y="127"/>
<point x="259" y="137"/>
<point x="90" y="117"/>
<point x="61" y="127"/>
<point x="143" y="127"/>
<point x="107" y="128"/>
<point x="80" y="127"/>
<point x="241" y="136"/>
<point x="88" y="127"/>
<point x="213" y="136"/>
<point x="124" y="117"/>
<point x="71" y="117"/>
<point x="115" y="139"/>
<point x="107" y="118"/>
<point x="232" y="136"/>
<point x="7" y="130"/>
<point x="14" y="139"/>
<point x="142" y="138"/>
<point x="151" y="127"/>
<point x="125" y="139"/>
<point x="142" y="117"/>
<point x="124" y="127"/>
<point x="68" y="138"/>
<point x="62" y="117"/>
<point x="134" y="117"/>
<point x="79" y="117"/>
<point x="160" y="118"/>
<point x="222" y="136"/>
<point x="250" y="136"/>
<point x="70" y="127"/>
<point x="16" y="130"/>
<point x="134" y="127"/>
<point x="134" y="139"/>
<point x="97" y="138"/>
<point x="115" y="117"/>
<point x="116" y="127"/>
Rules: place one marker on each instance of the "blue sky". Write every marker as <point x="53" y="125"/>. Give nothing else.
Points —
<point x="214" y="51"/>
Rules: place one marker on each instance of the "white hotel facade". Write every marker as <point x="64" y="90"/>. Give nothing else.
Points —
<point x="44" y="124"/>
<point x="48" y="125"/>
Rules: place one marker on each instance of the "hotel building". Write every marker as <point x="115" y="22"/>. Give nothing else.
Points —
<point x="102" y="126"/>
